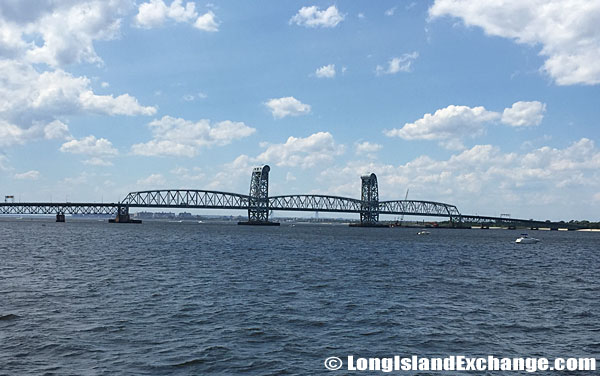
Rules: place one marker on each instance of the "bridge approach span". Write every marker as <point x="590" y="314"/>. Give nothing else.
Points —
<point x="56" y="208"/>
<point x="424" y="208"/>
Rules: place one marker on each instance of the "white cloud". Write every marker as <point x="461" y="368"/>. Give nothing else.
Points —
<point x="124" y="104"/>
<point x="391" y="11"/>
<point x="484" y="180"/>
<point x="29" y="175"/>
<point x="180" y="137"/>
<point x="32" y="103"/>
<point x="207" y="22"/>
<point x="95" y="161"/>
<point x="398" y="64"/>
<point x="193" y="97"/>
<point x="11" y="134"/>
<point x="567" y="31"/>
<point x="154" y="181"/>
<point x="185" y="174"/>
<point x="287" y="106"/>
<point x="367" y="148"/>
<point x="313" y="17"/>
<point x="67" y="30"/>
<point x="89" y="145"/>
<point x="447" y="124"/>
<point x="155" y="13"/>
<point x="524" y="114"/>
<point x="56" y="130"/>
<point x="326" y="71"/>
<point x="314" y="150"/>
<point x="233" y="176"/>
<point x="452" y="124"/>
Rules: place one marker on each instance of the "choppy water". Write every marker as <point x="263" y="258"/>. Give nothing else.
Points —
<point x="176" y="298"/>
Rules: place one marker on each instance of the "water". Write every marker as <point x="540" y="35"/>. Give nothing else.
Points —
<point x="89" y="298"/>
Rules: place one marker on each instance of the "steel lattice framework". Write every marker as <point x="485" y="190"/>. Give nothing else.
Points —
<point x="315" y="203"/>
<point x="369" y="195"/>
<point x="258" y="210"/>
<point x="201" y="199"/>
<point x="59" y="208"/>
<point x="411" y="207"/>
<point x="186" y="198"/>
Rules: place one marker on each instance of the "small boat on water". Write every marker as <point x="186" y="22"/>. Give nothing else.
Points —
<point x="424" y="232"/>
<point x="525" y="239"/>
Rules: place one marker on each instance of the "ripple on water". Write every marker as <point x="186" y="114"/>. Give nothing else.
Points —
<point x="166" y="298"/>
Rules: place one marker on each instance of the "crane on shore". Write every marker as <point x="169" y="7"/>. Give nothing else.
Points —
<point x="402" y="217"/>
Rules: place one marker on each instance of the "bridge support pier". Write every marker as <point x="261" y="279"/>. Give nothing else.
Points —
<point x="258" y="205"/>
<point x="123" y="216"/>
<point x="60" y="217"/>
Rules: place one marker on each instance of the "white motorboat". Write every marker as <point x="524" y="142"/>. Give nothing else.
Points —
<point x="525" y="239"/>
<point x="424" y="232"/>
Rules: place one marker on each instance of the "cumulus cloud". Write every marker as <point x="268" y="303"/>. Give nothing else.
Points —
<point x="153" y="181"/>
<point x="326" y="71"/>
<point x="487" y="181"/>
<point x="155" y="13"/>
<point x="287" y="106"/>
<point x="313" y="17"/>
<point x="566" y="30"/>
<point x="32" y="103"/>
<point x="56" y="130"/>
<point x="398" y="64"/>
<point x="180" y="137"/>
<point x="89" y="145"/>
<point x="314" y="150"/>
<point x="95" y="161"/>
<point x="447" y="124"/>
<point x="367" y="148"/>
<point x="185" y="174"/>
<point x="29" y="175"/>
<point x="207" y="22"/>
<point x="450" y="125"/>
<point x="524" y="114"/>
<point x="11" y="134"/>
<point x="65" y="31"/>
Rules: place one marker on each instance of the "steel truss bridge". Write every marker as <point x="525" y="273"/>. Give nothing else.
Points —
<point x="259" y="204"/>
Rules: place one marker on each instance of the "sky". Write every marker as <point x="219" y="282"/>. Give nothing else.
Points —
<point x="490" y="106"/>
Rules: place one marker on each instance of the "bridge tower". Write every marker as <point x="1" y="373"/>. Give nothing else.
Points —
<point x="369" y="195"/>
<point x="258" y="203"/>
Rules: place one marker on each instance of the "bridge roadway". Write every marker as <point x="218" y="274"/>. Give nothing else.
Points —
<point x="203" y="199"/>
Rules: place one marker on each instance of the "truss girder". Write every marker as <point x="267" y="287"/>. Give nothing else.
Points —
<point x="188" y="198"/>
<point x="412" y="207"/>
<point x="58" y="208"/>
<point x="315" y="203"/>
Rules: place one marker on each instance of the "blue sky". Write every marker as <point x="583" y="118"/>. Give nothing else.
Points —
<point x="492" y="109"/>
